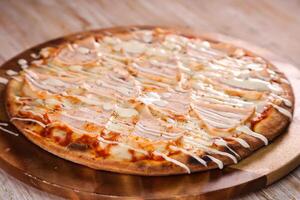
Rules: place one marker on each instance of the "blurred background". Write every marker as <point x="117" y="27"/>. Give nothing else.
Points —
<point x="271" y="24"/>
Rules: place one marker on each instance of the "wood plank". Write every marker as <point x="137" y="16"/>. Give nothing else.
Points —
<point x="273" y="25"/>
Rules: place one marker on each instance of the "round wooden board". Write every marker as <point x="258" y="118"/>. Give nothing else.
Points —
<point x="36" y="167"/>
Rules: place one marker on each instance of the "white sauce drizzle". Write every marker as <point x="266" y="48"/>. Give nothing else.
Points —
<point x="210" y="150"/>
<point x="82" y="119"/>
<point x="8" y="131"/>
<point x="11" y="72"/>
<point x="222" y="142"/>
<point x="22" y="62"/>
<point x="283" y="111"/>
<point x="200" y="160"/>
<point x="248" y="131"/>
<point x="217" y="161"/>
<point x="252" y="84"/>
<point x="158" y="133"/>
<point x="241" y="141"/>
<point x="176" y="162"/>
<point x="3" y="80"/>
<point x="28" y="120"/>
<point x="213" y="64"/>
<point x="152" y="98"/>
<point x="285" y="101"/>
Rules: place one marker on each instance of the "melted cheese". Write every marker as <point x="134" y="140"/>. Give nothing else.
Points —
<point x="126" y="112"/>
<point x="159" y="88"/>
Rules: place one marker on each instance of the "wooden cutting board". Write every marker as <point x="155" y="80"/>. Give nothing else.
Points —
<point x="38" y="168"/>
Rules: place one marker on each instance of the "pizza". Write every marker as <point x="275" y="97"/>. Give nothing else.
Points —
<point x="149" y="101"/>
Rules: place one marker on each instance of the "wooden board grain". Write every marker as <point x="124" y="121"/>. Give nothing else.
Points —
<point x="272" y="24"/>
<point x="47" y="172"/>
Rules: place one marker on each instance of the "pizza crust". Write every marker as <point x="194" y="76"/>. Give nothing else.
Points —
<point x="273" y="125"/>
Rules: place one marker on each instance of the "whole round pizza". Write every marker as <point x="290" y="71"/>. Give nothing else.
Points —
<point x="149" y="101"/>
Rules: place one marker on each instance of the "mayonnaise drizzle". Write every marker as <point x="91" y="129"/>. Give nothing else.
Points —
<point x="248" y="131"/>
<point x="8" y="131"/>
<point x="217" y="161"/>
<point x="200" y="160"/>
<point x="241" y="141"/>
<point x="176" y="162"/>
<point x="177" y="77"/>
<point x="210" y="150"/>
<point x="283" y="111"/>
<point x="3" y="80"/>
<point x="252" y="84"/>
<point x="11" y="72"/>
<point x="28" y="120"/>
<point x="285" y="101"/>
<point x="222" y="142"/>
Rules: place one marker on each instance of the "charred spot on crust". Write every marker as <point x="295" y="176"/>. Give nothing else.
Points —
<point x="166" y="166"/>
<point x="192" y="161"/>
<point x="78" y="146"/>
<point x="142" y="166"/>
<point x="206" y="159"/>
<point x="227" y="150"/>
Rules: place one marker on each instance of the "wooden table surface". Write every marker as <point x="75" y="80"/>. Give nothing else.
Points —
<point x="274" y="25"/>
